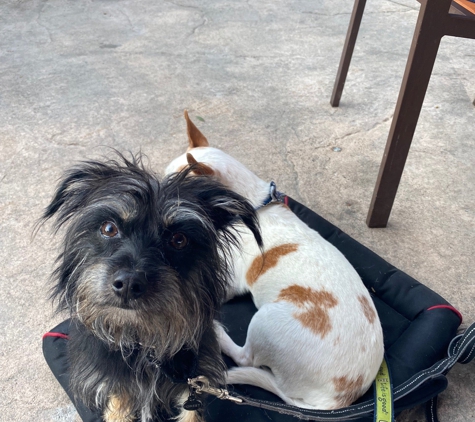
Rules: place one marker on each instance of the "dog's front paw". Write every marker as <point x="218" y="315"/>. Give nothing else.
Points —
<point x="118" y="410"/>
<point x="240" y="355"/>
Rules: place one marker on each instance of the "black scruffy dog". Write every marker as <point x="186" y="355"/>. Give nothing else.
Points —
<point x="143" y="271"/>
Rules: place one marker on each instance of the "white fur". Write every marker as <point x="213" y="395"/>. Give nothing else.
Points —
<point x="281" y="354"/>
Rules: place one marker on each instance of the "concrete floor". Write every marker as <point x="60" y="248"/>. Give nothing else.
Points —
<point x="78" y="77"/>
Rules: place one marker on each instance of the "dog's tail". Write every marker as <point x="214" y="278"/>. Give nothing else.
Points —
<point x="263" y="379"/>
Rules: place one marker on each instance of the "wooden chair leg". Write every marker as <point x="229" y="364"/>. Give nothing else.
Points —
<point x="347" y="53"/>
<point x="425" y="45"/>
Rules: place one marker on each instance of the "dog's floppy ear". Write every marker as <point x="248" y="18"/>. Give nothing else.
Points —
<point x="200" y="169"/>
<point x="226" y="207"/>
<point x="70" y="196"/>
<point x="195" y="137"/>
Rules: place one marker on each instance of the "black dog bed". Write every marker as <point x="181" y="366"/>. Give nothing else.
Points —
<point x="418" y="326"/>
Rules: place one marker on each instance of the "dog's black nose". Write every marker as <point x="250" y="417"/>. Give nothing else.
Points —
<point x="129" y="284"/>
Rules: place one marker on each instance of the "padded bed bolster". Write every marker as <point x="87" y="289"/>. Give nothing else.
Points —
<point x="422" y="344"/>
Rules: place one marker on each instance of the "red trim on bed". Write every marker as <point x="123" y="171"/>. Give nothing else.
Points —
<point x="286" y="200"/>
<point x="451" y="308"/>
<point x="60" y="335"/>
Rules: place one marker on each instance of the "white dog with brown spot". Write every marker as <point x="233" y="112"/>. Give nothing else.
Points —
<point x="316" y="340"/>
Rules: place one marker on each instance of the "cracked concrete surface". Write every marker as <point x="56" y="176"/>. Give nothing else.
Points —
<point x="77" y="78"/>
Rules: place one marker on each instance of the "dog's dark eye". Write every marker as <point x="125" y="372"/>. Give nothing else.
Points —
<point x="109" y="229"/>
<point x="178" y="241"/>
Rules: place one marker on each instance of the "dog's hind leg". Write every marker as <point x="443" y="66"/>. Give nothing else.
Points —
<point x="266" y="380"/>
<point x="241" y="355"/>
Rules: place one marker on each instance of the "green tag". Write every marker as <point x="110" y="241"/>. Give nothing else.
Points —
<point x="383" y="411"/>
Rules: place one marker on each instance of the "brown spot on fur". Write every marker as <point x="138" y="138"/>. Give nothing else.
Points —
<point x="195" y="137"/>
<point x="317" y="304"/>
<point x="267" y="260"/>
<point x="348" y="390"/>
<point x="368" y="310"/>
<point x="118" y="409"/>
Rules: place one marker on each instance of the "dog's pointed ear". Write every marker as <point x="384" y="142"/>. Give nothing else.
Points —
<point x="200" y="169"/>
<point x="195" y="137"/>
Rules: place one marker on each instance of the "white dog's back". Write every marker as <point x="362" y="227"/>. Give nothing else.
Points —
<point x="316" y="328"/>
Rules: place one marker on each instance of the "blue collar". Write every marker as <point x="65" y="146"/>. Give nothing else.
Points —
<point x="274" y="196"/>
